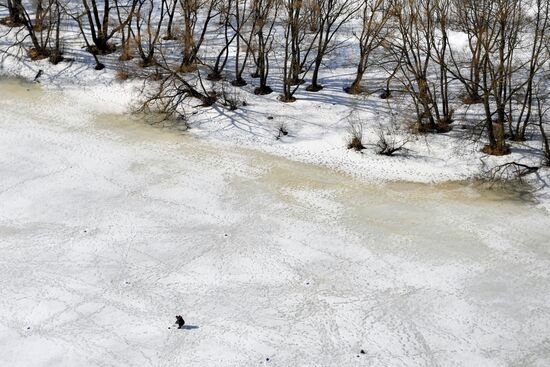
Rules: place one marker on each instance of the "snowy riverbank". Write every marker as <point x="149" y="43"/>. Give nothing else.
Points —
<point x="318" y="127"/>
<point x="109" y="228"/>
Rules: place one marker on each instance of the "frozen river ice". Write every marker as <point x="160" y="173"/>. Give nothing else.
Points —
<point x="110" y="227"/>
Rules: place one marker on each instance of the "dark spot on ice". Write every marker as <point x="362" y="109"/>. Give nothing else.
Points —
<point x="267" y="359"/>
<point x="28" y="328"/>
<point x="270" y="117"/>
<point x="362" y="351"/>
<point x="225" y="234"/>
<point x="307" y="283"/>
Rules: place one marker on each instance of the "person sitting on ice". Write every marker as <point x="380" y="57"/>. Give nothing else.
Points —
<point x="180" y="321"/>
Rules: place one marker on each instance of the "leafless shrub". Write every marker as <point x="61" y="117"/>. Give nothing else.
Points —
<point x="122" y="72"/>
<point x="355" y="133"/>
<point x="126" y="52"/>
<point x="281" y="131"/>
<point x="390" y="138"/>
<point x="165" y="102"/>
<point x="231" y="97"/>
<point x="509" y="172"/>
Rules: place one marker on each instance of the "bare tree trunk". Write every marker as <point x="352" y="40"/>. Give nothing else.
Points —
<point x="537" y="60"/>
<point x="171" y="11"/>
<point x="40" y="49"/>
<point x="298" y="45"/>
<point x="15" y="16"/>
<point x="376" y="14"/>
<point x="223" y="55"/>
<point x="265" y="12"/>
<point x="192" y="43"/>
<point x="332" y="15"/>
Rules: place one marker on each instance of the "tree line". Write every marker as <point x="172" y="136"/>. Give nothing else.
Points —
<point x="500" y="66"/>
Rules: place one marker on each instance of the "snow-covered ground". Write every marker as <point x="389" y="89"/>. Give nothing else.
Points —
<point x="318" y="123"/>
<point x="109" y="228"/>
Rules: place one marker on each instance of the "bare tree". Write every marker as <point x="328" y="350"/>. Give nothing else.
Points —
<point x="147" y="30"/>
<point x="15" y="16"/>
<point x="56" y="52"/>
<point x="538" y="58"/>
<point x="375" y="15"/>
<point x="191" y="39"/>
<point x="99" y="26"/>
<point x="223" y="55"/>
<point x="542" y="114"/>
<point x="265" y="13"/>
<point x="331" y="15"/>
<point x="170" y="6"/>
<point x="45" y="39"/>
<point x="497" y="68"/>
<point x="125" y="13"/>
<point x="440" y="44"/>
<point x="243" y="13"/>
<point x="299" y="40"/>
<point x="471" y="18"/>
<point x="413" y="51"/>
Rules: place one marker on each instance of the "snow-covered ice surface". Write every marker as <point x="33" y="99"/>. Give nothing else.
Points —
<point x="109" y="228"/>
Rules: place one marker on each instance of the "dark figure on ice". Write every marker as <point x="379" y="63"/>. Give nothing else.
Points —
<point x="38" y="75"/>
<point x="180" y="321"/>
